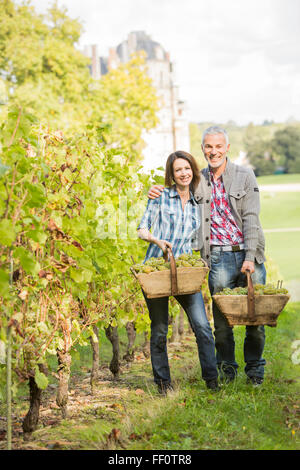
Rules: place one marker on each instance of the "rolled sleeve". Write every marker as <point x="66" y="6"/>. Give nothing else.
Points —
<point x="150" y="214"/>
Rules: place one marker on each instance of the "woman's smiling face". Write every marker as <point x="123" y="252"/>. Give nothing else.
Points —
<point x="182" y="172"/>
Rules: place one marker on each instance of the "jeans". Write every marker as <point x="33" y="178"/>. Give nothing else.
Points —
<point x="194" y="307"/>
<point x="225" y="271"/>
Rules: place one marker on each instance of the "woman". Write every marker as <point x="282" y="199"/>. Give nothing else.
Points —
<point x="174" y="218"/>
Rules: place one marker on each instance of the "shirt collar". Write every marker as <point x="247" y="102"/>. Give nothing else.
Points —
<point x="173" y="193"/>
<point x="225" y="172"/>
<point x="211" y="177"/>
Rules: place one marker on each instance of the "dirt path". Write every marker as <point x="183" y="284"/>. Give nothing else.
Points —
<point x="278" y="188"/>
<point x="292" y="229"/>
<point x="112" y="401"/>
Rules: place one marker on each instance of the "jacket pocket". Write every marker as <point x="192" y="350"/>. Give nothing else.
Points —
<point x="237" y="194"/>
<point x="236" y="199"/>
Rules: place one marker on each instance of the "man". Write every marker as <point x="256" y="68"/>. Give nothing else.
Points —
<point x="231" y="241"/>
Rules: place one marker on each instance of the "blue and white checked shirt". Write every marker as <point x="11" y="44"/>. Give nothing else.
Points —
<point x="169" y="222"/>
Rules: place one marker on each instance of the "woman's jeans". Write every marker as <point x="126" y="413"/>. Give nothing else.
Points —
<point x="225" y="271"/>
<point x="194" y="307"/>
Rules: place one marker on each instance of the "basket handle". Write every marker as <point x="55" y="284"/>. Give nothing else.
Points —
<point x="174" y="285"/>
<point x="250" y="296"/>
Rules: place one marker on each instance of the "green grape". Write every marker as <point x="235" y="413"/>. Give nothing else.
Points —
<point x="151" y="261"/>
<point x="137" y="267"/>
<point x="186" y="264"/>
<point x="148" y="269"/>
<point x="282" y="290"/>
<point x="259" y="289"/>
<point x="162" y="268"/>
<point x="199" y="264"/>
<point x="184" y="256"/>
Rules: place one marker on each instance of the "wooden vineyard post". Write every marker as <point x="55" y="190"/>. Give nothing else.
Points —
<point x="8" y="387"/>
<point x="8" y="371"/>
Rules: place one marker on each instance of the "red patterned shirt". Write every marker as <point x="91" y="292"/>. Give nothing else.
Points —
<point x="224" y="230"/>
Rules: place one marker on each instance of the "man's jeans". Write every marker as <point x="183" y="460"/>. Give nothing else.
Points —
<point x="225" y="271"/>
<point x="194" y="307"/>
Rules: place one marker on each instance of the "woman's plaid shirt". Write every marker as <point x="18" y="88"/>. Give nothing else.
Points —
<point x="169" y="222"/>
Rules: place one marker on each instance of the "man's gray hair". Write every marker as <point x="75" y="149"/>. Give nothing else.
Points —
<point x="215" y="130"/>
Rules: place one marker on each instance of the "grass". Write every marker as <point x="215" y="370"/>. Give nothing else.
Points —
<point x="280" y="210"/>
<point x="129" y="414"/>
<point x="284" y="250"/>
<point x="238" y="417"/>
<point x="279" y="179"/>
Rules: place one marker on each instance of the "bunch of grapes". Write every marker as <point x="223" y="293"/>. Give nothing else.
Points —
<point x="235" y="291"/>
<point x="185" y="260"/>
<point x="259" y="289"/>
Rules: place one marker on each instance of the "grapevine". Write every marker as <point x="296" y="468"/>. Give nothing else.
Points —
<point x="67" y="278"/>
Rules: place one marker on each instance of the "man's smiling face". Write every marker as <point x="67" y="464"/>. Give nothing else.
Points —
<point x="215" y="149"/>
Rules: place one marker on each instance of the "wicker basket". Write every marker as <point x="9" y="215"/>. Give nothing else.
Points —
<point x="176" y="281"/>
<point x="251" y="309"/>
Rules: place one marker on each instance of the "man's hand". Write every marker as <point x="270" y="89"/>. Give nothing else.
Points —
<point x="248" y="265"/>
<point x="155" y="191"/>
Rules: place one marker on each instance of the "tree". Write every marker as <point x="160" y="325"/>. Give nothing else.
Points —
<point x="44" y="72"/>
<point x="41" y="68"/>
<point x="261" y="157"/>
<point x="126" y="102"/>
<point x="196" y="142"/>
<point x="287" y="143"/>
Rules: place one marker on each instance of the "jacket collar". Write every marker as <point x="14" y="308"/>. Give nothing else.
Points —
<point x="228" y="175"/>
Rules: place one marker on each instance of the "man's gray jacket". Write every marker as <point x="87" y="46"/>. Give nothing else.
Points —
<point x="243" y="196"/>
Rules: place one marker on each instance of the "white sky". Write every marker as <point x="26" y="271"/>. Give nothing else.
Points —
<point x="235" y="59"/>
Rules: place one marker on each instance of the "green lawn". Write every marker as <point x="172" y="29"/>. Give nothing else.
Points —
<point x="279" y="179"/>
<point x="280" y="210"/>
<point x="284" y="250"/>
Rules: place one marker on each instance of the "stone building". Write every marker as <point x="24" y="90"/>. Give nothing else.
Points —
<point x="172" y="132"/>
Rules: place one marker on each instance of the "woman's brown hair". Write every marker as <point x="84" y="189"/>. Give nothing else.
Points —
<point x="169" y="175"/>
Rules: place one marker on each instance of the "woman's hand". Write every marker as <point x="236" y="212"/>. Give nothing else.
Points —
<point x="164" y="245"/>
<point x="155" y="191"/>
<point x="144" y="234"/>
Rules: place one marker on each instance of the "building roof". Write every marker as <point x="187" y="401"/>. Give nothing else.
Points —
<point x="138" y="41"/>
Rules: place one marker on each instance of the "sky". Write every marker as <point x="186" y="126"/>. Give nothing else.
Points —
<point x="235" y="60"/>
